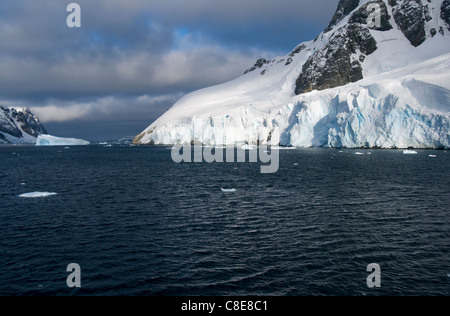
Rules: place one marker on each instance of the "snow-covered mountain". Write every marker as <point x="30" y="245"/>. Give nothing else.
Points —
<point x="19" y="126"/>
<point x="378" y="76"/>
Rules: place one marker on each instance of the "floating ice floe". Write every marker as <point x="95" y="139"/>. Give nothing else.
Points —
<point x="359" y="153"/>
<point x="48" y="140"/>
<point x="247" y="147"/>
<point x="432" y="156"/>
<point x="282" y="148"/>
<point x="37" y="194"/>
<point x="409" y="152"/>
<point x="228" y="190"/>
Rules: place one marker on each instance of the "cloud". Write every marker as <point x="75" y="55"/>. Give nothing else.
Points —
<point x="108" y="108"/>
<point x="134" y="72"/>
<point x="132" y="59"/>
<point x="53" y="113"/>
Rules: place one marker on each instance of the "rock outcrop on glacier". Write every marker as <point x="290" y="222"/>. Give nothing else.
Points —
<point x="19" y="126"/>
<point x="366" y="81"/>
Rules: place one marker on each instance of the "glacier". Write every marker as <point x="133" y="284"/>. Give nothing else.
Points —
<point x="49" y="140"/>
<point x="401" y="101"/>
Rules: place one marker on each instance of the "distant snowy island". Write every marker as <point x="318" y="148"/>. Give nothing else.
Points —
<point x="21" y="126"/>
<point x="356" y="85"/>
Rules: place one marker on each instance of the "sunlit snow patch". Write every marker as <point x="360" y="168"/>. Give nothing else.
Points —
<point x="37" y="194"/>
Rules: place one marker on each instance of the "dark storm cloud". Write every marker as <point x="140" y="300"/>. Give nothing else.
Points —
<point x="139" y="54"/>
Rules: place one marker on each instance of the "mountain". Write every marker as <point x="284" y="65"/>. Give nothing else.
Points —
<point x="19" y="126"/>
<point x="377" y="76"/>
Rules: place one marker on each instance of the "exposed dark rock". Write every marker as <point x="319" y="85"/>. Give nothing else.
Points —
<point x="335" y="65"/>
<point x="445" y="13"/>
<point x="297" y="50"/>
<point x="426" y="12"/>
<point x="411" y="16"/>
<point x="289" y="61"/>
<point x="332" y="66"/>
<point x="345" y="7"/>
<point x="433" y="32"/>
<point x="16" y="123"/>
<point x="7" y="124"/>
<point x="362" y="16"/>
<point x="360" y="38"/>
<point x="29" y="123"/>
<point x="259" y="64"/>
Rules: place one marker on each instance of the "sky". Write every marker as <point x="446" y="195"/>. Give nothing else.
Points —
<point x="131" y="60"/>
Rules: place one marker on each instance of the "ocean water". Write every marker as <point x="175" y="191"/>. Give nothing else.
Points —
<point x="139" y="224"/>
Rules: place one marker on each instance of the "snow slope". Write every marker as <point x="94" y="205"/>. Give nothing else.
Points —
<point x="402" y="99"/>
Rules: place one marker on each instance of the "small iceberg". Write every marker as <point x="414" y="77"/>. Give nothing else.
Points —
<point x="37" y="194"/>
<point x="228" y="190"/>
<point x="247" y="147"/>
<point x="359" y="153"/>
<point x="409" y="152"/>
<point x="432" y="156"/>
<point x="282" y="148"/>
<point x="49" y="140"/>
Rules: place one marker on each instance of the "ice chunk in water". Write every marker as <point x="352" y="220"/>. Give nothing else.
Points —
<point x="37" y="194"/>
<point x="48" y="140"/>
<point x="228" y="190"/>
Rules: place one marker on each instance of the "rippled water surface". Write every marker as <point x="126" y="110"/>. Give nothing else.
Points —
<point x="139" y="224"/>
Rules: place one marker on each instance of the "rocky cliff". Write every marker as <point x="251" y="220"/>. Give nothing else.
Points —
<point x="19" y="126"/>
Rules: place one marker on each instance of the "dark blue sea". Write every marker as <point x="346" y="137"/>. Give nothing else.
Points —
<point x="139" y="224"/>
